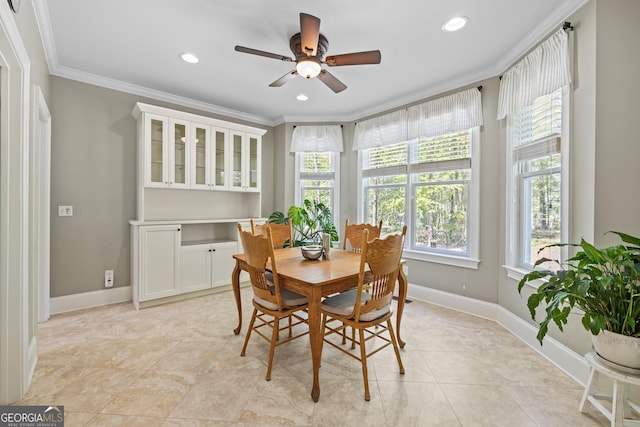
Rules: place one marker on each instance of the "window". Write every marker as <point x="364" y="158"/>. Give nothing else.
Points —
<point x="318" y="178"/>
<point x="427" y="183"/>
<point x="538" y="181"/>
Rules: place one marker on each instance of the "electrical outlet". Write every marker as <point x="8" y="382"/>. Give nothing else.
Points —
<point x="405" y="269"/>
<point x="108" y="278"/>
<point x="65" y="210"/>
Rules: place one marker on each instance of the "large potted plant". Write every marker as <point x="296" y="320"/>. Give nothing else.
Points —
<point x="309" y="222"/>
<point x="605" y="285"/>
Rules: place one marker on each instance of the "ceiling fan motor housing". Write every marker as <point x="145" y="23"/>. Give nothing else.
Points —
<point x="295" y="44"/>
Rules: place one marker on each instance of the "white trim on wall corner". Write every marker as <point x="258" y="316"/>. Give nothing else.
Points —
<point x="557" y="353"/>
<point x="91" y="299"/>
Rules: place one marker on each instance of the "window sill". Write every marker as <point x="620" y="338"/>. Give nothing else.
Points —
<point x="517" y="273"/>
<point x="441" y="259"/>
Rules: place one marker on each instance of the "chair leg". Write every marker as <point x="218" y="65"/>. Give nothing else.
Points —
<point x="395" y="345"/>
<point x="322" y="330"/>
<point x="344" y="337"/>
<point x="290" y="316"/>
<point x="246" y="339"/>
<point x="274" y="338"/>
<point x="353" y="338"/>
<point x="365" y="373"/>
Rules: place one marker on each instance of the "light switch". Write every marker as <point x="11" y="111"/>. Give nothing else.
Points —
<point x="65" y="210"/>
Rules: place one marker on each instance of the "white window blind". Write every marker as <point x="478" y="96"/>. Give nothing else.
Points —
<point x="539" y="120"/>
<point x="441" y="153"/>
<point x="317" y="139"/>
<point x="385" y="161"/>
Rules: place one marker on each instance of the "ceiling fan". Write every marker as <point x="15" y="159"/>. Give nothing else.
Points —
<point x="310" y="48"/>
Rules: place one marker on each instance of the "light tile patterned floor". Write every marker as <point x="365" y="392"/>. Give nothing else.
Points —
<point x="179" y="364"/>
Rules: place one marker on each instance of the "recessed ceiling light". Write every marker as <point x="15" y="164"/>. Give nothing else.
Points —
<point x="189" y="57"/>
<point x="454" y="24"/>
<point x="302" y="97"/>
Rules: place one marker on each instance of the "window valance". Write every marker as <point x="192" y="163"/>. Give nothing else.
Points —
<point x="453" y="113"/>
<point x="541" y="72"/>
<point x="382" y="130"/>
<point x="317" y="139"/>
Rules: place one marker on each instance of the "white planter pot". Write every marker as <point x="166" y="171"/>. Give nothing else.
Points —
<point x="618" y="349"/>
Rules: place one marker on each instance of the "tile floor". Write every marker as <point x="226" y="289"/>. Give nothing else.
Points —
<point x="179" y="364"/>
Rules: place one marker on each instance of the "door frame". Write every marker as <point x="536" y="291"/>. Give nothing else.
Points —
<point x="40" y="209"/>
<point x="17" y="345"/>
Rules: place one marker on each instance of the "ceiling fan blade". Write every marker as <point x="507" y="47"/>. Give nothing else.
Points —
<point x="357" y="58"/>
<point x="282" y="80"/>
<point x="309" y="33"/>
<point x="262" y="53"/>
<point x="330" y="80"/>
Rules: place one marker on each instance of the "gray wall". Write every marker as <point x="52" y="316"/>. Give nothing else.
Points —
<point x="94" y="170"/>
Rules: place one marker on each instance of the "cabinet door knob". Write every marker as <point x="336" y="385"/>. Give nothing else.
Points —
<point x="213" y="250"/>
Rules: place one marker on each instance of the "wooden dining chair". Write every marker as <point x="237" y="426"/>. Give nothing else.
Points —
<point x="282" y="233"/>
<point x="353" y="235"/>
<point x="270" y="302"/>
<point x="368" y="307"/>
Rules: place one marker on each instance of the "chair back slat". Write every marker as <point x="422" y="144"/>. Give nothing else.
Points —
<point x="353" y="235"/>
<point x="382" y="256"/>
<point x="281" y="234"/>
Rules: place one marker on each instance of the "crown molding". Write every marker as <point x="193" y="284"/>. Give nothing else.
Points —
<point x="546" y="27"/>
<point x="119" y="85"/>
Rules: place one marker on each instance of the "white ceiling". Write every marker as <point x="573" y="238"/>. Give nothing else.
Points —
<point x="133" y="45"/>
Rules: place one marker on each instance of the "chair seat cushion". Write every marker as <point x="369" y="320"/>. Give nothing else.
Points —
<point x="289" y="298"/>
<point x="342" y="305"/>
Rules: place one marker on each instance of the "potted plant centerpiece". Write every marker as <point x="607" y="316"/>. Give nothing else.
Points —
<point x="309" y="221"/>
<point x="605" y="285"/>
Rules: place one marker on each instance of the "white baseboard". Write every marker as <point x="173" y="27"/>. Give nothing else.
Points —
<point x="91" y="299"/>
<point x="557" y="353"/>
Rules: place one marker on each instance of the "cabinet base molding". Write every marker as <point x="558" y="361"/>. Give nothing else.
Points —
<point x="188" y="295"/>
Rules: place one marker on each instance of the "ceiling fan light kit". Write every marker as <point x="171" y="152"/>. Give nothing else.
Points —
<point x="310" y="48"/>
<point x="308" y="68"/>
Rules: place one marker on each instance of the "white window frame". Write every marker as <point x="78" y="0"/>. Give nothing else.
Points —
<point x="513" y="245"/>
<point x="335" y="191"/>
<point x="471" y="259"/>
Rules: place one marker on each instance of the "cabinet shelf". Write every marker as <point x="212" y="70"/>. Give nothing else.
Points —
<point x="208" y="242"/>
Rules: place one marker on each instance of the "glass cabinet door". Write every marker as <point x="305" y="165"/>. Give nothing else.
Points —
<point x="219" y="168"/>
<point x="201" y="148"/>
<point x="157" y="144"/>
<point x="179" y="146"/>
<point x="254" y="159"/>
<point x="237" y="160"/>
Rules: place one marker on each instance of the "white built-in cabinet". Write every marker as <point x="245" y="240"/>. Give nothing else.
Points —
<point x="174" y="259"/>
<point x="182" y="150"/>
<point x="198" y="177"/>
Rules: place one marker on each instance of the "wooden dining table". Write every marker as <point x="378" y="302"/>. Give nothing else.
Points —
<point x="316" y="279"/>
